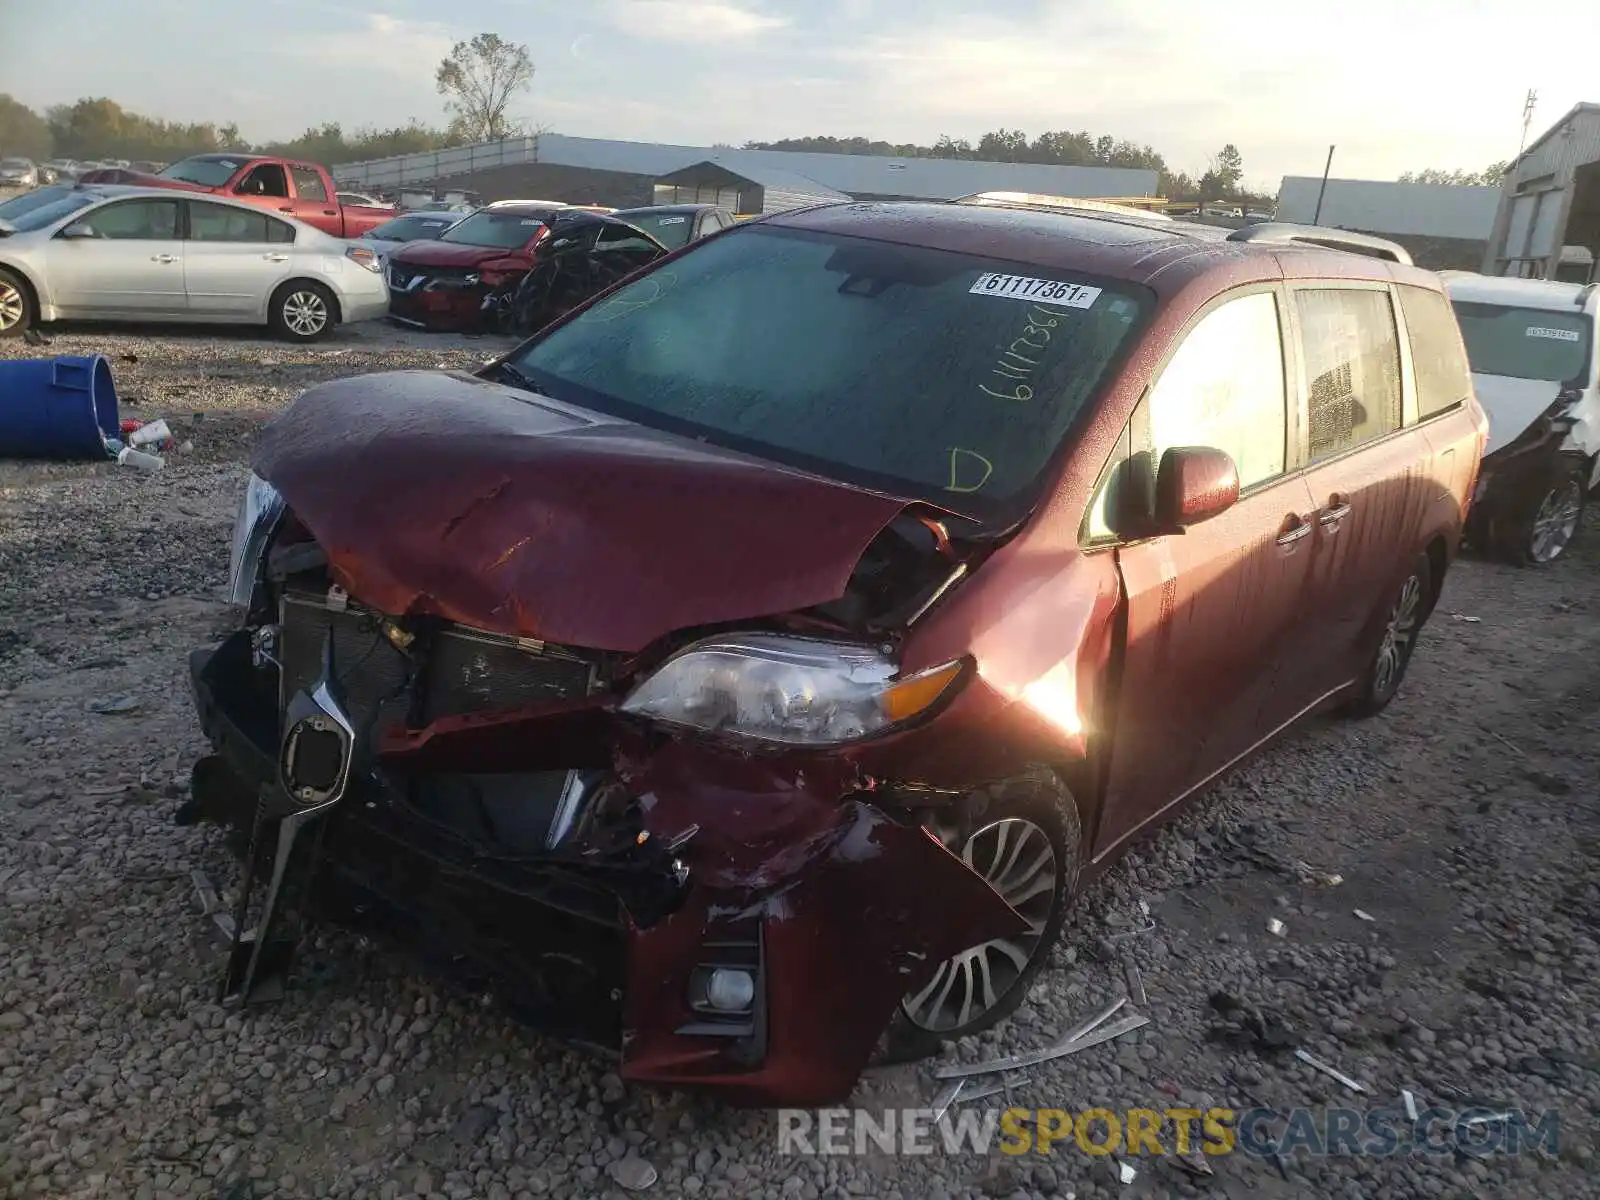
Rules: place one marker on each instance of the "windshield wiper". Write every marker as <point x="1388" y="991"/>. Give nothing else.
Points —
<point x="514" y="375"/>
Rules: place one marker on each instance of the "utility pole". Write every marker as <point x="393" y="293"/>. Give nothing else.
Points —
<point x="1527" y="119"/>
<point x="1316" y="217"/>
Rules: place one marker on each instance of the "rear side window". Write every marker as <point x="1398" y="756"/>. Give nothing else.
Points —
<point x="1352" y="364"/>
<point x="308" y="184"/>
<point x="220" y="223"/>
<point x="1437" y="358"/>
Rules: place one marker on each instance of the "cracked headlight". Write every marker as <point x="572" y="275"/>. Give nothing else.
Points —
<point x="788" y="690"/>
<point x="259" y="512"/>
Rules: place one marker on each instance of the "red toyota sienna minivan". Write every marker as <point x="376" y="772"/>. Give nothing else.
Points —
<point x="764" y="655"/>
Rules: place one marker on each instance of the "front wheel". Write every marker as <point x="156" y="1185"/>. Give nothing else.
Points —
<point x="16" y="306"/>
<point x="302" y="311"/>
<point x="1024" y="837"/>
<point x="1403" y="620"/>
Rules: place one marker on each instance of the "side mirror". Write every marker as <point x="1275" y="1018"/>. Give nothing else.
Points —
<point x="1194" y="484"/>
<point x="78" y="229"/>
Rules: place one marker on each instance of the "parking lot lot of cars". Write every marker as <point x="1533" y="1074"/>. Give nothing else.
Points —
<point x="1407" y="895"/>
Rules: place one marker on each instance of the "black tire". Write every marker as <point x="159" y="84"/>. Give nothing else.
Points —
<point x="1404" y="614"/>
<point x="1541" y="524"/>
<point x="1039" y="799"/>
<point x="17" y="313"/>
<point x="295" y="308"/>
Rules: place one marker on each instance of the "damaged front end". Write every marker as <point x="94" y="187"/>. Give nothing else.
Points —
<point x="604" y="833"/>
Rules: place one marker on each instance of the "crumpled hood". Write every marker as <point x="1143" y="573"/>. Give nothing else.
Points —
<point x="445" y="494"/>
<point x="451" y="254"/>
<point x="1512" y="405"/>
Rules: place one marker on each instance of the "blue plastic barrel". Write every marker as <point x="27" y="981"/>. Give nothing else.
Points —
<point x="57" y="407"/>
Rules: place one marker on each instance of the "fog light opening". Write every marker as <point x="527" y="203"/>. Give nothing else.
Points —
<point x="729" y="990"/>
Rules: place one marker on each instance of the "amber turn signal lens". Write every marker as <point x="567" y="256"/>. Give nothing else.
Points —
<point x="907" y="698"/>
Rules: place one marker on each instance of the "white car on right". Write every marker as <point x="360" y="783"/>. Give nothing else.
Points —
<point x="1531" y="344"/>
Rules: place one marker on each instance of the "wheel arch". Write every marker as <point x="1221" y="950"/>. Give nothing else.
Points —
<point x="30" y="285"/>
<point x="279" y="292"/>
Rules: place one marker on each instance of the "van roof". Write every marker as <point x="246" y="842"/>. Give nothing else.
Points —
<point x="1164" y="254"/>
<point x="1524" y="293"/>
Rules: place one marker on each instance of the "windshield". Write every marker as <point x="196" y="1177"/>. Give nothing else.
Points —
<point x="922" y="372"/>
<point x="670" y="229"/>
<point x="15" y="162"/>
<point x="13" y="208"/>
<point x="48" y="214"/>
<point x="207" y="172"/>
<point x="1525" y="343"/>
<point x="411" y="229"/>
<point x="509" y="231"/>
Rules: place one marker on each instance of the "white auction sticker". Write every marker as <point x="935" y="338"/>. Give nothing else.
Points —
<point x="672" y="220"/>
<point x="1045" y="291"/>
<point x="1560" y="335"/>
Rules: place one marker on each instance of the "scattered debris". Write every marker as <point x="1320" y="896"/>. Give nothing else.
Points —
<point x="1365" y="916"/>
<point x="114" y="705"/>
<point x="34" y="338"/>
<point x="1277" y="928"/>
<point x="1147" y="927"/>
<point x="152" y="433"/>
<point x="1195" y="1163"/>
<point x="1136" y="991"/>
<point x="1512" y="746"/>
<point x="1467" y="619"/>
<point x="1035" y="1057"/>
<point x="631" y="1173"/>
<point x="948" y="1095"/>
<point x="205" y="892"/>
<point x="1489" y="1119"/>
<point x="1332" y="1072"/>
<point x="129" y="457"/>
<point x="1126" y="1171"/>
<point x="1410" y="1102"/>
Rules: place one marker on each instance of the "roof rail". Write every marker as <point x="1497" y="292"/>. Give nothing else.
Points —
<point x="1127" y="206"/>
<point x="1321" y="235"/>
<point x="1585" y="292"/>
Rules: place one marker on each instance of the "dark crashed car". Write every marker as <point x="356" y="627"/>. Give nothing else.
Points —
<point x="760" y="657"/>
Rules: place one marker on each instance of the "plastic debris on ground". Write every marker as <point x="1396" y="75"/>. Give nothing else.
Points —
<point x="1365" y="916"/>
<point x="1317" y="1064"/>
<point x="631" y="1173"/>
<point x="1277" y="928"/>
<point x="1093" y="1032"/>
<point x="142" y="444"/>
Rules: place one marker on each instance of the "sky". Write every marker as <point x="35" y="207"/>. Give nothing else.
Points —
<point x="1395" y="84"/>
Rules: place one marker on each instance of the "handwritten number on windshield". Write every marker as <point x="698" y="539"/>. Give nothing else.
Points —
<point x="965" y="468"/>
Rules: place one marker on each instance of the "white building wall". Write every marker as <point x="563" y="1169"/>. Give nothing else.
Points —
<point x="1382" y="207"/>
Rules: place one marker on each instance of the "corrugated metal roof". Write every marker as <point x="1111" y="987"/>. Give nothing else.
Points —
<point x="1379" y="206"/>
<point x="853" y="174"/>
<point x="770" y="178"/>
<point x="1561" y="149"/>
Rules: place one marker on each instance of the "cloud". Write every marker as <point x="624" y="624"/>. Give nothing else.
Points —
<point x="708" y="22"/>
<point x="380" y="42"/>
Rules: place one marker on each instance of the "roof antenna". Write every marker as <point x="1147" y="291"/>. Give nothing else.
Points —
<point x="1528" y="106"/>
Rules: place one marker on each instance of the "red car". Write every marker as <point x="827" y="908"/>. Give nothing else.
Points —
<point x="768" y="651"/>
<point x="303" y="190"/>
<point x="453" y="283"/>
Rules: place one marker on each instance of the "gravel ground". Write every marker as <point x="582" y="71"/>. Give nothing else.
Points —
<point x="1463" y="823"/>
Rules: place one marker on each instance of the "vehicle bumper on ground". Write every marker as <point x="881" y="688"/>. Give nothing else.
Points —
<point x="790" y="880"/>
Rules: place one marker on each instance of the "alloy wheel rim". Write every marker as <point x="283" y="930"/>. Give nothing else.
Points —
<point x="305" y="313"/>
<point x="1398" y="637"/>
<point x="1556" y="521"/>
<point x="10" y="306"/>
<point x="1018" y="860"/>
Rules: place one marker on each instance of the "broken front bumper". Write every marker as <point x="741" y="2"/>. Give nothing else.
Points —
<point x="829" y="910"/>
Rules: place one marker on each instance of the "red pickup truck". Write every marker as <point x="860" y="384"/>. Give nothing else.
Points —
<point x="303" y="190"/>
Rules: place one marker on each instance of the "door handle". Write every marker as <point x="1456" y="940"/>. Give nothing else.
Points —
<point x="1338" y="509"/>
<point x="276" y="257"/>
<point x="330" y="212"/>
<point x="1294" y="528"/>
<point x="288" y="208"/>
<point x="164" y="258"/>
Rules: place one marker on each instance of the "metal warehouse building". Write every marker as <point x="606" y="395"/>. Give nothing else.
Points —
<point x="1443" y="225"/>
<point x="1550" y="203"/>
<point x="629" y="174"/>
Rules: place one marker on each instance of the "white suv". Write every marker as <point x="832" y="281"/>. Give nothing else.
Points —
<point x="1531" y="344"/>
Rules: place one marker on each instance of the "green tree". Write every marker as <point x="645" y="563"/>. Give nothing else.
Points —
<point x="479" y="79"/>
<point x="23" y="132"/>
<point x="1490" y="176"/>
<point x="1227" y="169"/>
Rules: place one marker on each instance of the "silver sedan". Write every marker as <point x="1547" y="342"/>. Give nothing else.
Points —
<point x="108" y="253"/>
